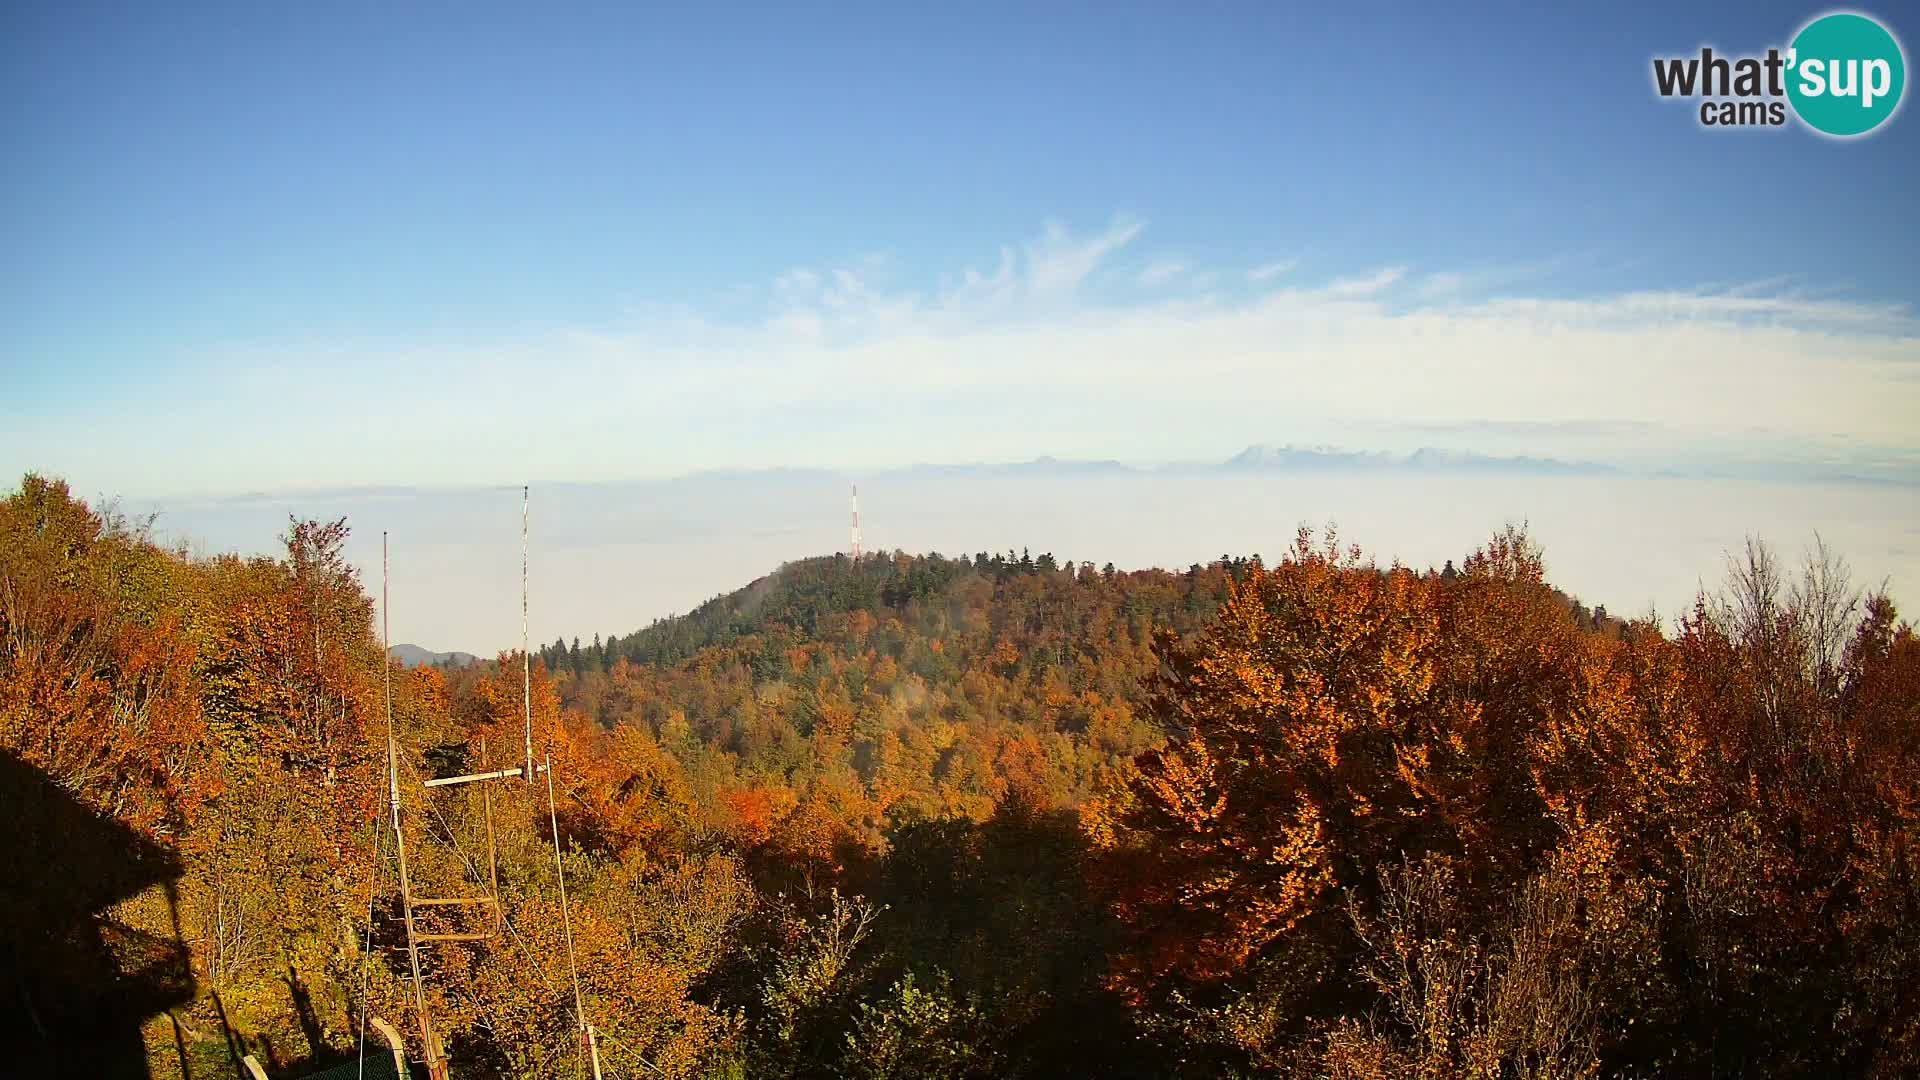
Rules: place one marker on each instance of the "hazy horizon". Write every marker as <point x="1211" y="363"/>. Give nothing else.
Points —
<point x="611" y="558"/>
<point x="863" y="237"/>
<point x="367" y="265"/>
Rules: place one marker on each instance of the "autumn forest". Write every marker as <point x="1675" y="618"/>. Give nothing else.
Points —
<point x="982" y="815"/>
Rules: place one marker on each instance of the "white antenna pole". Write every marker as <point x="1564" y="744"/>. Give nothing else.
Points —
<point x="429" y="1045"/>
<point x="386" y="671"/>
<point x="588" y="1043"/>
<point x="526" y="657"/>
<point x="854" y="550"/>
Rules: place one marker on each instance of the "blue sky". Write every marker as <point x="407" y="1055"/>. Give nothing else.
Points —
<point x="255" y="247"/>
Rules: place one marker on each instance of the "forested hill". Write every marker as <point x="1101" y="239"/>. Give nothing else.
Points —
<point x="929" y="685"/>
<point x="925" y="681"/>
<point x="800" y="601"/>
<point x="929" y="817"/>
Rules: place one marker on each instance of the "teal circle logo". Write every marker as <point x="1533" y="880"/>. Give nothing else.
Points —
<point x="1845" y="74"/>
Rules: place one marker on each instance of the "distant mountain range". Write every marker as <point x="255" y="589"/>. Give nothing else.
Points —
<point x="414" y="656"/>
<point x="1889" y="467"/>
<point x="1427" y="457"/>
<point x="1037" y="465"/>
<point x="1262" y="457"/>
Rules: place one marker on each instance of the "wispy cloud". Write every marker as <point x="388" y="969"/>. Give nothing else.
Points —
<point x="1460" y="283"/>
<point x="1269" y="271"/>
<point x="1783" y="310"/>
<point x="1061" y="261"/>
<point x="1763" y="287"/>
<point x="1028" y="354"/>
<point x="1368" y="285"/>
<point x="1163" y="272"/>
<point x="1444" y="284"/>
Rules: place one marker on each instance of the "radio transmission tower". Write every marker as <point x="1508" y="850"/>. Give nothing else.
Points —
<point x="854" y="550"/>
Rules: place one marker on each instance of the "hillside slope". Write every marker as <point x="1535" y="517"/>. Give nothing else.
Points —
<point x="932" y="683"/>
<point x="935" y="684"/>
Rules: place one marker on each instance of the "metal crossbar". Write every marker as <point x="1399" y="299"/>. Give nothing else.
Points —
<point x="499" y="774"/>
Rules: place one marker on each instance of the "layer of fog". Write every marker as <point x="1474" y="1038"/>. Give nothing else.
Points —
<point x="611" y="558"/>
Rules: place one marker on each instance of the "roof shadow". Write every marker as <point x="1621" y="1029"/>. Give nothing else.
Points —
<point x="76" y="986"/>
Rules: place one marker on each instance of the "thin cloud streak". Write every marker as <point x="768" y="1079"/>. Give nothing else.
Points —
<point x="1373" y="283"/>
<point x="1269" y="271"/>
<point x="1163" y="272"/>
<point x="1033" y="356"/>
<point x="1059" y="262"/>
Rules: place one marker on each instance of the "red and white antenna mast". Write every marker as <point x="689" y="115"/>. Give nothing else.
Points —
<point x="854" y="550"/>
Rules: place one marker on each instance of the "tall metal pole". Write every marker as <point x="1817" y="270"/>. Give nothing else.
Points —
<point x="430" y="1046"/>
<point x="566" y="925"/>
<point x="854" y="502"/>
<point x="493" y="859"/>
<point x="526" y="657"/>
